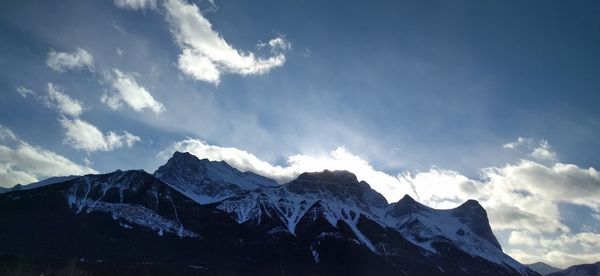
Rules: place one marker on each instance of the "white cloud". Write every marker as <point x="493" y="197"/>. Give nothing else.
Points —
<point x="279" y="43"/>
<point x="125" y="89"/>
<point x="206" y="55"/>
<point x="136" y="4"/>
<point x="543" y="151"/>
<point x="540" y="149"/>
<point x="62" y="102"/>
<point x="24" y="163"/>
<point x="24" y="91"/>
<point x="85" y="136"/>
<point x="558" y="182"/>
<point x="63" y="61"/>
<point x="519" y="142"/>
<point x="522" y="198"/>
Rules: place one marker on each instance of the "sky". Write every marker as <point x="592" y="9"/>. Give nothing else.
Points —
<point x="497" y="101"/>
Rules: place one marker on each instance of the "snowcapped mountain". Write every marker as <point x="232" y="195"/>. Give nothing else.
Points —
<point x="213" y="219"/>
<point x="465" y="227"/>
<point x="340" y="201"/>
<point x="208" y="181"/>
<point x="339" y="193"/>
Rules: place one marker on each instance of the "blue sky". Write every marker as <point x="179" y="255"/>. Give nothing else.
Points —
<point x="442" y="100"/>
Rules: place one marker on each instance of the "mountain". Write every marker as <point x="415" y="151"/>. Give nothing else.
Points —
<point x="196" y="216"/>
<point x="48" y="181"/>
<point x="339" y="203"/>
<point x="579" y="270"/>
<point x="543" y="268"/>
<point x="208" y="181"/>
<point x="124" y="218"/>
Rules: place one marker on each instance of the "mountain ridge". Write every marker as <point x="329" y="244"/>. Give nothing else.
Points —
<point x="315" y="220"/>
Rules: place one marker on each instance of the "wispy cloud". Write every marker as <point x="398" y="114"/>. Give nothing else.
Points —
<point x="63" y="61"/>
<point x="24" y="91"/>
<point x="125" y="89"/>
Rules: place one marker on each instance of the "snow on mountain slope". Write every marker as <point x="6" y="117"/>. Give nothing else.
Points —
<point x="466" y="227"/>
<point x="133" y="197"/>
<point x="338" y="195"/>
<point x="208" y="181"/>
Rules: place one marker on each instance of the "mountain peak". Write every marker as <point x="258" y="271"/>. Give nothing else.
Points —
<point x="208" y="181"/>
<point x="337" y="176"/>
<point x="179" y="156"/>
<point x="406" y="206"/>
<point x="474" y="215"/>
<point x="341" y="185"/>
<point x="471" y="204"/>
<point x="542" y="268"/>
<point x="407" y="199"/>
<point x="185" y="154"/>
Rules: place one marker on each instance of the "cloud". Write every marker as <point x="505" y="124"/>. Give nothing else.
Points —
<point x="558" y="182"/>
<point x="206" y="55"/>
<point x="85" y="136"/>
<point x="63" y="61"/>
<point x="78" y="133"/>
<point x="543" y="151"/>
<point x="136" y="4"/>
<point x="212" y="3"/>
<point x="564" y="259"/>
<point x="125" y="89"/>
<point x="24" y="163"/>
<point x="521" y="198"/>
<point x="540" y="149"/>
<point x="24" y="91"/>
<point x="279" y="43"/>
<point x="519" y="142"/>
<point x="7" y="134"/>
<point x="62" y="102"/>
